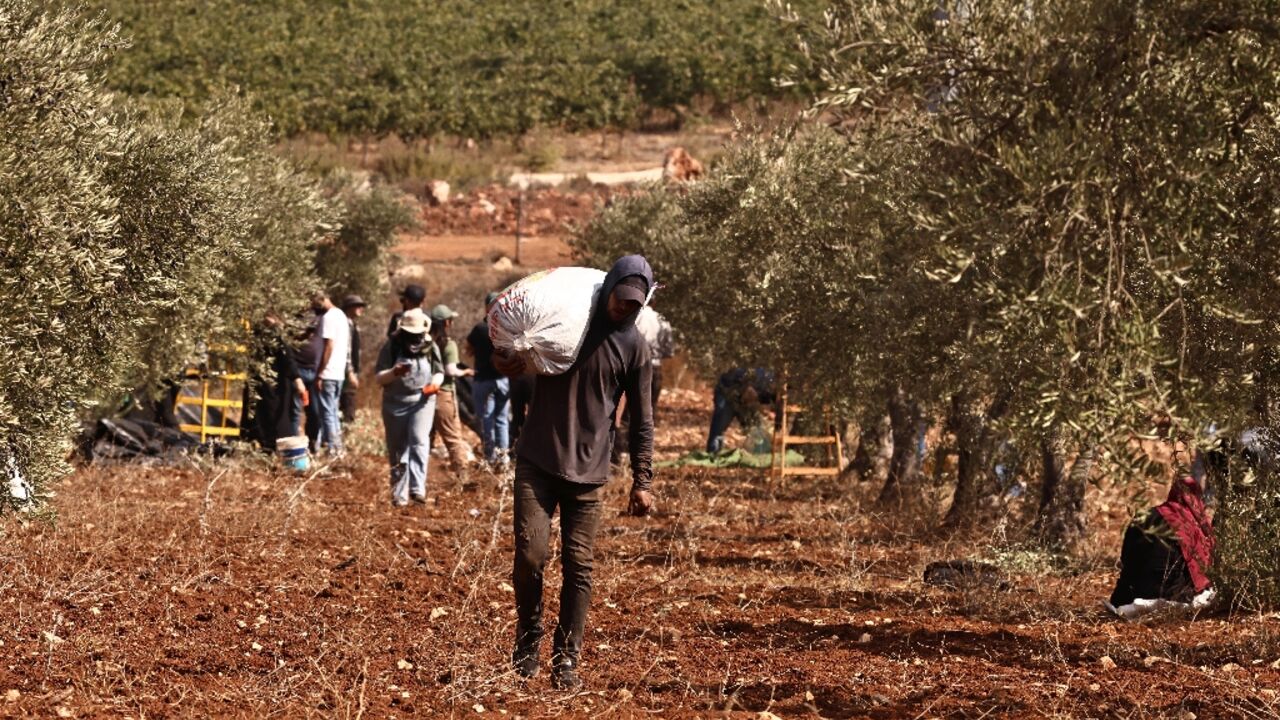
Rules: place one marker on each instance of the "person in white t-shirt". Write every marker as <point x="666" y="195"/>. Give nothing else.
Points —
<point x="336" y="333"/>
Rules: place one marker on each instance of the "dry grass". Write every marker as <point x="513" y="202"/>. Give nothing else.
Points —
<point x="232" y="589"/>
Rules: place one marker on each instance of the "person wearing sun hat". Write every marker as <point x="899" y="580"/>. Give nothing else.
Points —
<point x="448" y="423"/>
<point x="410" y="373"/>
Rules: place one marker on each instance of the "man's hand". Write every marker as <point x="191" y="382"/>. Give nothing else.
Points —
<point x="509" y="365"/>
<point x="641" y="502"/>
<point x="353" y="380"/>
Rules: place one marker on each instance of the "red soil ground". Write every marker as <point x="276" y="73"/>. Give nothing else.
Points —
<point x="233" y="589"/>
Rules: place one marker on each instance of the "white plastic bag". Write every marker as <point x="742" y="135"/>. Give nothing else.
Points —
<point x="544" y="317"/>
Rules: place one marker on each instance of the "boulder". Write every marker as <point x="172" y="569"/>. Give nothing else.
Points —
<point x="437" y="193"/>
<point x="679" y="166"/>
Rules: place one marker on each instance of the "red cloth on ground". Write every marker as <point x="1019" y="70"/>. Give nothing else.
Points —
<point x="1184" y="511"/>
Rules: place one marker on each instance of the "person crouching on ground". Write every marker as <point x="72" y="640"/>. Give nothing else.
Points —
<point x="1166" y="553"/>
<point x="448" y="422"/>
<point x="410" y="374"/>
<point x="563" y="460"/>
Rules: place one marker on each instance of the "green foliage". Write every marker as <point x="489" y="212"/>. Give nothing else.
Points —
<point x="420" y="68"/>
<point x="354" y="259"/>
<point x="412" y="166"/>
<point x="125" y="238"/>
<point x="1065" y="208"/>
<point x="1247" y="529"/>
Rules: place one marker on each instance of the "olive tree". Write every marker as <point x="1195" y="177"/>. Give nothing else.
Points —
<point x="126" y="235"/>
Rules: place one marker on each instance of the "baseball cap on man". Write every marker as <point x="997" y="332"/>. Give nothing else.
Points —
<point x="414" y="293"/>
<point x="632" y="287"/>
<point x="442" y="312"/>
<point x="352" y="301"/>
<point x="488" y="299"/>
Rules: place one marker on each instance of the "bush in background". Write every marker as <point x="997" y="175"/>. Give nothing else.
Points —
<point x="126" y="237"/>
<point x="354" y="259"/>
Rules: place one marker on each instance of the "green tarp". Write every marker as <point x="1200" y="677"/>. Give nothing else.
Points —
<point x="730" y="458"/>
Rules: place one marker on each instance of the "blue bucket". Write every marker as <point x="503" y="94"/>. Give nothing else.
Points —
<point x="293" y="453"/>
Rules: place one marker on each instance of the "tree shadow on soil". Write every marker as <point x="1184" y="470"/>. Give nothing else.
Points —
<point x="808" y="598"/>
<point x="735" y="562"/>
<point x="896" y="642"/>
<point x="840" y="702"/>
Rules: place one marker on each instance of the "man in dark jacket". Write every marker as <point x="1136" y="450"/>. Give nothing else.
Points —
<point x="563" y="460"/>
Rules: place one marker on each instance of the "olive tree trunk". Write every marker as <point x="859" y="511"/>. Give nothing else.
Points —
<point x="875" y="448"/>
<point x="1061" y="522"/>
<point x="906" y="422"/>
<point x="975" y="444"/>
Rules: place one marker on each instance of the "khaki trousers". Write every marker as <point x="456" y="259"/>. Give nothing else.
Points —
<point x="450" y="427"/>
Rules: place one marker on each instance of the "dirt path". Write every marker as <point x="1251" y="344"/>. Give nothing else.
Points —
<point x="235" y="590"/>
<point x="544" y="251"/>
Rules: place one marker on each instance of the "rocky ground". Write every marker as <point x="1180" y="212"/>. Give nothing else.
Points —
<point x="231" y="588"/>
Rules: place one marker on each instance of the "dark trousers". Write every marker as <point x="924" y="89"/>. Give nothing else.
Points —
<point x="347" y="403"/>
<point x="537" y="495"/>
<point x="722" y="415"/>
<point x="312" y="409"/>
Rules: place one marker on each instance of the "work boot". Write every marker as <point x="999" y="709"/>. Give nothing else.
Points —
<point x="525" y="660"/>
<point x="564" y="675"/>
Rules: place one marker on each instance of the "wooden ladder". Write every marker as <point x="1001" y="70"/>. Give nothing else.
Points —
<point x="782" y="440"/>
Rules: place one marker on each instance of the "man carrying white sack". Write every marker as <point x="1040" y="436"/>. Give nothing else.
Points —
<point x="563" y="460"/>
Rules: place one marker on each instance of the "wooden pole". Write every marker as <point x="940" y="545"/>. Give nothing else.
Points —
<point x="519" y="224"/>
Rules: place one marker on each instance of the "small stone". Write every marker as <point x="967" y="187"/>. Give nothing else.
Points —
<point x="624" y="694"/>
<point x="766" y="715"/>
<point x="1094" y="687"/>
<point x="1151" y="660"/>
<point x="404" y="665"/>
<point x="478" y="708"/>
<point x="1231" y="668"/>
<point x="864" y="639"/>
<point x="808" y="696"/>
<point x="13" y="696"/>
<point x="1187" y="715"/>
<point x="63" y="712"/>
<point x="439" y="612"/>
<point x="95" y="610"/>
<point x="256" y="647"/>
<point x="506" y="587"/>
<point x="1107" y="663"/>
